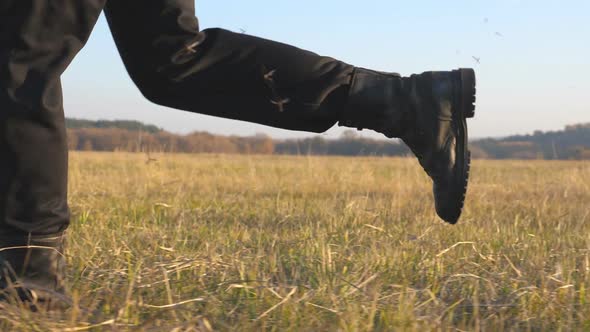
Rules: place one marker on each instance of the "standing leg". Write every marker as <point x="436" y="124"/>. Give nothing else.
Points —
<point x="236" y="76"/>
<point x="39" y="39"/>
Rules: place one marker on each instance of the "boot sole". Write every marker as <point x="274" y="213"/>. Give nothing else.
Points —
<point x="463" y="108"/>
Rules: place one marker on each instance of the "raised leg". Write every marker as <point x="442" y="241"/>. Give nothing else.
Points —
<point x="226" y="74"/>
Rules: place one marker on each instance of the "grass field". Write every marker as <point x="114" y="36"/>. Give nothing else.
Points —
<point x="250" y="243"/>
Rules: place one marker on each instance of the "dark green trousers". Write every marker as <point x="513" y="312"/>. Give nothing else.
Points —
<point x="172" y="62"/>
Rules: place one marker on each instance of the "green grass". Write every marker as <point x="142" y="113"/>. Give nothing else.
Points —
<point x="200" y="242"/>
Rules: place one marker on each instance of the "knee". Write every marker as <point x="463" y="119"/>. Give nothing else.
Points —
<point x="152" y="88"/>
<point x="159" y="74"/>
<point x="153" y="85"/>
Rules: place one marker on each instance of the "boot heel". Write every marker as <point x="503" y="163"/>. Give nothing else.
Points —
<point x="467" y="91"/>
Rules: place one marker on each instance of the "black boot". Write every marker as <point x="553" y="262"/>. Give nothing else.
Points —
<point x="32" y="270"/>
<point x="428" y="112"/>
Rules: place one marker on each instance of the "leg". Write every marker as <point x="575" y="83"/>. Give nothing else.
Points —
<point x="222" y="73"/>
<point x="39" y="39"/>
<point x="236" y="76"/>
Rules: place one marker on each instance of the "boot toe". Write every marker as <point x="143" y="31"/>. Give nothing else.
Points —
<point x="450" y="191"/>
<point x="446" y="209"/>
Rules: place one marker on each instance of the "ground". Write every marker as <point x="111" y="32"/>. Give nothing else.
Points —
<point x="227" y="242"/>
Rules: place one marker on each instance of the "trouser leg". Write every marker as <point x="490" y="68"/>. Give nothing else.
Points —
<point x="221" y="73"/>
<point x="38" y="39"/>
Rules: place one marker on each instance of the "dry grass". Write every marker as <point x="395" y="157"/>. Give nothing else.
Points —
<point x="201" y="242"/>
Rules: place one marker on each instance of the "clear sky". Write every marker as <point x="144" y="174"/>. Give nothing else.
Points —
<point x="533" y="71"/>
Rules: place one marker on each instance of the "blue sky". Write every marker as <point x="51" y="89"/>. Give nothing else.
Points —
<point x="534" y="70"/>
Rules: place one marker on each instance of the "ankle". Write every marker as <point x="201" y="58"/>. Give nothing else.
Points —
<point x="375" y="101"/>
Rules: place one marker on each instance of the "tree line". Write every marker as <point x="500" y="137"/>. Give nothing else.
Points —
<point x="571" y="143"/>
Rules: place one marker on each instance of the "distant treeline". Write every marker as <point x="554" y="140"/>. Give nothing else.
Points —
<point x="120" y="124"/>
<point x="571" y="143"/>
<point x="133" y="136"/>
